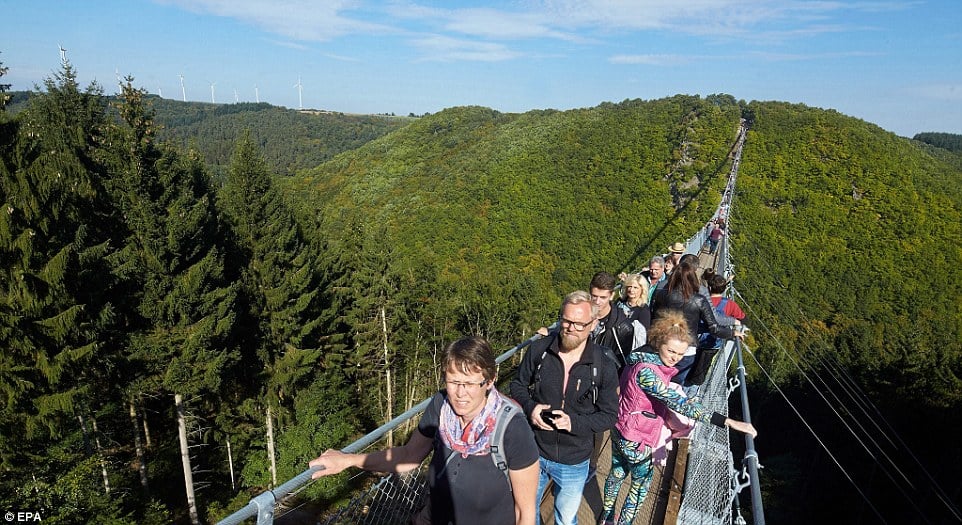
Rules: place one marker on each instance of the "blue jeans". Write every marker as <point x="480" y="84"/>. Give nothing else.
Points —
<point x="683" y="366"/>
<point x="569" y="483"/>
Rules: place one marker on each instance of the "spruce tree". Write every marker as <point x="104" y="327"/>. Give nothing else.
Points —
<point x="182" y="335"/>
<point x="59" y="326"/>
<point x="280" y="280"/>
<point x="58" y="318"/>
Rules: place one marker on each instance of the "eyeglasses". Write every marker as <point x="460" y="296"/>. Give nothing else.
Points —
<point x="579" y="327"/>
<point x="467" y="385"/>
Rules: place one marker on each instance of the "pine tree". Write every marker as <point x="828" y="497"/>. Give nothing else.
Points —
<point x="279" y="276"/>
<point x="368" y="306"/>
<point x="182" y="332"/>
<point x="59" y="323"/>
<point x="57" y="320"/>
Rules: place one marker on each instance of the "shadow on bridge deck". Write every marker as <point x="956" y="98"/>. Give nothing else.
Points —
<point x="664" y="495"/>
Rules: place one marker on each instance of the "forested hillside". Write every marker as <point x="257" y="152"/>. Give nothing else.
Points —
<point x="849" y="242"/>
<point x="277" y="306"/>
<point x="949" y="141"/>
<point x="289" y="140"/>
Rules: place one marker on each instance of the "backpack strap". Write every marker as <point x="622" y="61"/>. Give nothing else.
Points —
<point x="721" y="305"/>
<point x="504" y="416"/>
<point x="536" y="376"/>
<point x="507" y="411"/>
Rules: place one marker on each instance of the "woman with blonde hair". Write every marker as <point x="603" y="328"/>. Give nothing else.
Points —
<point x="645" y="400"/>
<point x="634" y="301"/>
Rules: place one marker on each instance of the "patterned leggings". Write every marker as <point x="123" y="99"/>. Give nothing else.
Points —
<point x="626" y="456"/>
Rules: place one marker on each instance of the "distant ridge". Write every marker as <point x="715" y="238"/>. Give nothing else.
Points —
<point x="291" y="139"/>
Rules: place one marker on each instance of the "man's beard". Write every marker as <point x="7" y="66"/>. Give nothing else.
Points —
<point x="571" y="341"/>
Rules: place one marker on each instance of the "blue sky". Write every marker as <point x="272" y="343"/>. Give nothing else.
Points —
<point x="895" y="63"/>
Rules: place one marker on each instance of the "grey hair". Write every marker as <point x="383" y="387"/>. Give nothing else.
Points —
<point x="657" y="259"/>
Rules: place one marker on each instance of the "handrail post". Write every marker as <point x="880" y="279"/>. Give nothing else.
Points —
<point x="265" y="507"/>
<point x="751" y="457"/>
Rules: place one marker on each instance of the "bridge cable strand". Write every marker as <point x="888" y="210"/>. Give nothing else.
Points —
<point x="814" y="434"/>
<point x="865" y="406"/>
<point x="831" y="406"/>
<point x="812" y="350"/>
<point x="849" y="386"/>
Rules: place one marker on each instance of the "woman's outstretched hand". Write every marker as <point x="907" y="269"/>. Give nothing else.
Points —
<point x="741" y="426"/>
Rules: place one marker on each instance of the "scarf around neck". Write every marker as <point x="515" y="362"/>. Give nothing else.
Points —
<point x="474" y="438"/>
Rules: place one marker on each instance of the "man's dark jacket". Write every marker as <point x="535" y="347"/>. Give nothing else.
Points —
<point x="588" y="415"/>
<point x="616" y="333"/>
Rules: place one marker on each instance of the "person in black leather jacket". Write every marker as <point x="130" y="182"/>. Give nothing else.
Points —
<point x="614" y="330"/>
<point x="681" y="293"/>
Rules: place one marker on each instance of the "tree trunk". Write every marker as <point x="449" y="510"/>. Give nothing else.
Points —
<point x="185" y="459"/>
<point x="146" y="429"/>
<point x="230" y="464"/>
<point x="100" y="455"/>
<point x="387" y="379"/>
<point x="270" y="447"/>
<point x="83" y="428"/>
<point x="411" y="380"/>
<point x="139" y="448"/>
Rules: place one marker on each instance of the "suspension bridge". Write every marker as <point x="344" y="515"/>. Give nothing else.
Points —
<point x="701" y="483"/>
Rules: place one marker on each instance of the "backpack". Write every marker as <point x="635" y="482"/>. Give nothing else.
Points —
<point x="705" y="339"/>
<point x="507" y="411"/>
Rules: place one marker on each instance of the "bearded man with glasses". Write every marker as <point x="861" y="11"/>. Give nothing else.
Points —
<point x="568" y="389"/>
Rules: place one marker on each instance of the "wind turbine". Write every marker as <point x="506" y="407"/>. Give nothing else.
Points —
<point x="257" y="94"/>
<point x="183" y="92"/>
<point x="120" y="84"/>
<point x="63" y="54"/>
<point x="212" y="84"/>
<point x="300" y="97"/>
<point x="160" y="92"/>
<point x="236" y="100"/>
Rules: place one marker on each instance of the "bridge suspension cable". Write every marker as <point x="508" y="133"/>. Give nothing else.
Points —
<point x="807" y="360"/>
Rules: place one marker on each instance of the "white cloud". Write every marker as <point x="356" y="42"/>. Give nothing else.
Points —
<point x="302" y="20"/>
<point x="654" y="60"/>
<point x="794" y="57"/>
<point x="443" y="48"/>
<point x="446" y="33"/>
<point x="943" y="92"/>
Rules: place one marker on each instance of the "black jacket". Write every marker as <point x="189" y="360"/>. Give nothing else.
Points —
<point x="592" y="405"/>
<point x="696" y="308"/>
<point x="615" y="333"/>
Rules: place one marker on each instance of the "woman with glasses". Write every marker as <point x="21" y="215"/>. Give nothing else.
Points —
<point x="464" y="483"/>
<point x="644" y="403"/>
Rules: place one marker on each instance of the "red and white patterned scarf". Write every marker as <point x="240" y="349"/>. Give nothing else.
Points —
<point x="474" y="438"/>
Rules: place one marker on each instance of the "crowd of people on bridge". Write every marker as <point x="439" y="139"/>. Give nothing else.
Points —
<point x="612" y="367"/>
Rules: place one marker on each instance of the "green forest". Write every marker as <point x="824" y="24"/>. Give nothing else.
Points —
<point x="271" y="278"/>
<point x="288" y="140"/>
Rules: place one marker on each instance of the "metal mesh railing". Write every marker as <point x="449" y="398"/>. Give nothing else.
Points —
<point x="390" y="501"/>
<point x="708" y="489"/>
